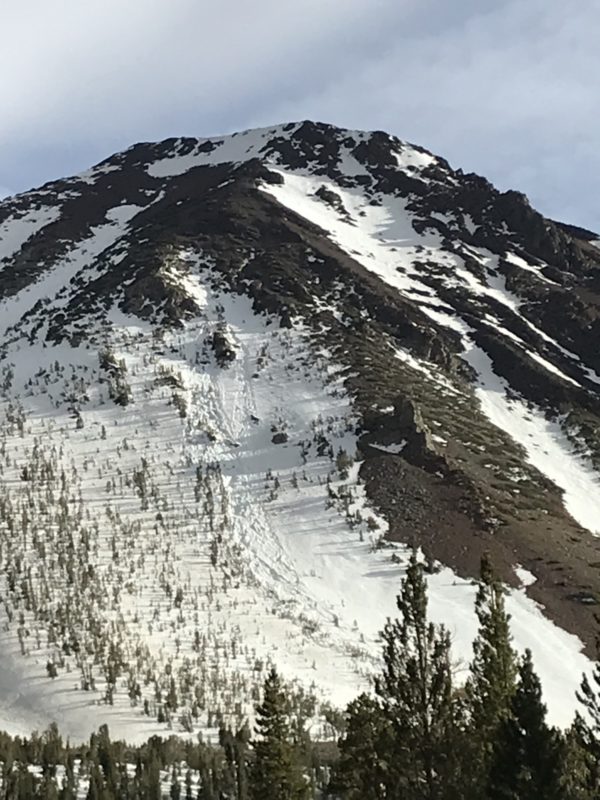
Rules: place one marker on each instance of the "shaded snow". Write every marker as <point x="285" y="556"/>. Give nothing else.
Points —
<point x="546" y="444"/>
<point x="513" y="258"/>
<point x="54" y="279"/>
<point x="390" y="448"/>
<point x="15" y="231"/>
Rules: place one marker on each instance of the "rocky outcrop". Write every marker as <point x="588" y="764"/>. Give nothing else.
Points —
<point x="222" y="347"/>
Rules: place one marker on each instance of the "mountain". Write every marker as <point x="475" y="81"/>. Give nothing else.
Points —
<point x="240" y="377"/>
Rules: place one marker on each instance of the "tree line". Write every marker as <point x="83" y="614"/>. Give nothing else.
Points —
<point x="417" y="736"/>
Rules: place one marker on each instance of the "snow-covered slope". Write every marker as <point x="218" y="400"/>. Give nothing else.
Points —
<point x="382" y="239"/>
<point x="238" y="378"/>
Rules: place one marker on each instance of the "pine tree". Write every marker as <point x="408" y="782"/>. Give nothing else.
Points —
<point x="175" y="790"/>
<point x="579" y="766"/>
<point x="96" y="784"/>
<point x="48" y="788"/>
<point x="21" y="784"/>
<point x="242" y="741"/>
<point x="527" y="754"/>
<point x="584" y="739"/>
<point x="69" y="787"/>
<point x="151" y="789"/>
<point x="206" y="789"/>
<point x="492" y="681"/>
<point x="189" y="795"/>
<point x="235" y="749"/>
<point x="276" y="772"/>
<point x="361" y="772"/>
<point x="106" y="760"/>
<point x="417" y="700"/>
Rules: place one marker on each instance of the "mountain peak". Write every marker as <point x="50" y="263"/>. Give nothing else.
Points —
<point x="317" y="146"/>
<point x="249" y="371"/>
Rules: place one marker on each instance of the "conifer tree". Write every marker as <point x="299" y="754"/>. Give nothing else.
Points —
<point x="584" y="737"/>
<point x="175" y="789"/>
<point x="579" y="767"/>
<point x="188" y="786"/>
<point x="417" y="700"/>
<point x="27" y="784"/>
<point x="362" y="772"/>
<point x="69" y="788"/>
<point x="48" y="788"/>
<point x="492" y="682"/>
<point x="96" y="784"/>
<point x="206" y="789"/>
<point x="242" y="741"/>
<point x="235" y="747"/>
<point x="527" y="754"/>
<point x="588" y="697"/>
<point x="151" y="777"/>
<point x="102" y="744"/>
<point x="276" y="772"/>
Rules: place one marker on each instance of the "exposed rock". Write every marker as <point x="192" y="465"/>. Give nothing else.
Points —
<point x="223" y="349"/>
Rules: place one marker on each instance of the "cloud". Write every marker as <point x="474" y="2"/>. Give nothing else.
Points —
<point x="501" y="87"/>
<point x="510" y="92"/>
<point x="146" y="59"/>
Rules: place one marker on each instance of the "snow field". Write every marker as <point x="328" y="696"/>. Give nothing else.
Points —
<point x="170" y="527"/>
<point x="213" y="551"/>
<point x="15" y="231"/>
<point x="54" y="284"/>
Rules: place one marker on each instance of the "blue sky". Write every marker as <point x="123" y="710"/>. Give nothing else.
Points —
<point x="506" y="88"/>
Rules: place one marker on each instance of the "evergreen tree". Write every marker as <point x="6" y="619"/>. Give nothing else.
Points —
<point x="583" y="740"/>
<point x="189" y="793"/>
<point x="175" y="790"/>
<point x="69" y="787"/>
<point x="206" y="787"/>
<point x="242" y="742"/>
<point x="52" y="747"/>
<point x="580" y="767"/>
<point x="417" y="700"/>
<point x="492" y="681"/>
<point x="25" y="785"/>
<point x="105" y="758"/>
<point x="96" y="784"/>
<point x="48" y="788"/>
<point x="235" y="748"/>
<point x="151" y="789"/>
<point x="276" y="772"/>
<point x="361" y="772"/>
<point x="527" y="754"/>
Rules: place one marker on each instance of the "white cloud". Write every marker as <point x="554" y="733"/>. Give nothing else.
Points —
<point x="503" y="87"/>
<point x="104" y="63"/>
<point x="511" y="93"/>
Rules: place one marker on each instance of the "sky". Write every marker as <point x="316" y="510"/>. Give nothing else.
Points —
<point x="505" y="88"/>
